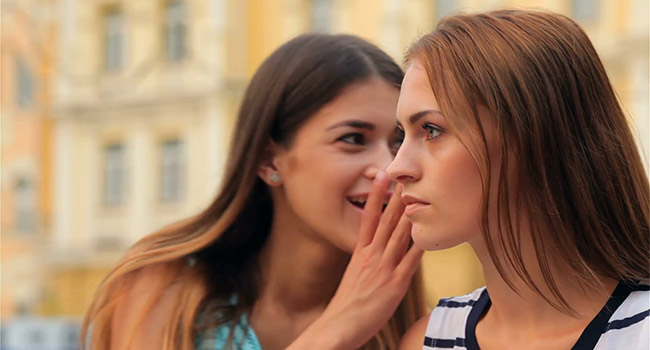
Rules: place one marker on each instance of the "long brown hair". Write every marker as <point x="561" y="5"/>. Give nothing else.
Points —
<point x="222" y="242"/>
<point x="579" y="176"/>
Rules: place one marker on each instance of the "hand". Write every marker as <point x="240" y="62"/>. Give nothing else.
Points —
<point x="375" y="280"/>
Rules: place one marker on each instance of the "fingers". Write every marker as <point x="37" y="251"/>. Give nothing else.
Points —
<point x="390" y="218"/>
<point x="398" y="242"/>
<point x="410" y="263"/>
<point x="372" y="209"/>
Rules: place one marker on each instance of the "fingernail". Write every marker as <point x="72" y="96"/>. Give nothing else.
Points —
<point x="380" y="176"/>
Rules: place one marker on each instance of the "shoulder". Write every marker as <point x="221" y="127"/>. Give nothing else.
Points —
<point x="462" y="300"/>
<point x="629" y="325"/>
<point x="634" y="310"/>
<point x="144" y="304"/>
<point x="148" y="285"/>
<point x="457" y="307"/>
<point x="414" y="337"/>
<point x="639" y="298"/>
<point x="447" y="320"/>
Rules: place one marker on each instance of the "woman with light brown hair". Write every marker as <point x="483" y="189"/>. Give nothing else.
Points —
<point x="515" y="143"/>
<point x="260" y="264"/>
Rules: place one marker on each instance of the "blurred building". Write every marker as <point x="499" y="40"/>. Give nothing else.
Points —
<point x="27" y="47"/>
<point x="143" y="98"/>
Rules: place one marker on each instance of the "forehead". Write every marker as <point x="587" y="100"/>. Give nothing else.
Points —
<point x="416" y="94"/>
<point x="372" y="100"/>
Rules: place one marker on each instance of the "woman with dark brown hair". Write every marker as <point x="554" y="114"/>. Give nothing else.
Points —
<point x="515" y="143"/>
<point x="259" y="265"/>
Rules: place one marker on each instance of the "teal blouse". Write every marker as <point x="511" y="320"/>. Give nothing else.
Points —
<point x="216" y="338"/>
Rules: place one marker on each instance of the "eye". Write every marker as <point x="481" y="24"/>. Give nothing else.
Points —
<point x="397" y="140"/>
<point x="432" y="131"/>
<point x="353" y="138"/>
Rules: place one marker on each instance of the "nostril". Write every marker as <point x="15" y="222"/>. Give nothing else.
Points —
<point x="403" y="178"/>
<point x="393" y="173"/>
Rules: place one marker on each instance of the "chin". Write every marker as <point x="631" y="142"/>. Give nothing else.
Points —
<point x="345" y="240"/>
<point x="430" y="239"/>
<point x="349" y="250"/>
<point x="349" y="245"/>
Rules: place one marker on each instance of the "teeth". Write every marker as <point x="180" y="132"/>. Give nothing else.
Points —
<point x="362" y="200"/>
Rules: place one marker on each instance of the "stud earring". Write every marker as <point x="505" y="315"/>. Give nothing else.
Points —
<point x="275" y="177"/>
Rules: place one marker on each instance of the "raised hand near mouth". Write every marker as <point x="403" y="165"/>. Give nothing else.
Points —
<point x="375" y="280"/>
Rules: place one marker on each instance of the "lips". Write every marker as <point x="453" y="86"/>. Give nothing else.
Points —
<point x="413" y="204"/>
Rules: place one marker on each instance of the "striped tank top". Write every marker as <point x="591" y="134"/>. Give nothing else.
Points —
<point x="623" y="323"/>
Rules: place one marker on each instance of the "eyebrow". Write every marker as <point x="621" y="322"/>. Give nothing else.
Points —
<point x="413" y="118"/>
<point x="360" y="124"/>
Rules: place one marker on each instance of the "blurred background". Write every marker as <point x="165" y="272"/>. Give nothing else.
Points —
<point x="116" y="117"/>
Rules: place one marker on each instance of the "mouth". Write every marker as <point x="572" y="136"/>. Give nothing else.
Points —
<point x="360" y="201"/>
<point x="413" y="204"/>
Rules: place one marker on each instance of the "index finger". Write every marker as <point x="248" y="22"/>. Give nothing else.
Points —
<point x="373" y="208"/>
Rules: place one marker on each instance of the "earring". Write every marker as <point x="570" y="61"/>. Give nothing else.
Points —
<point x="275" y="177"/>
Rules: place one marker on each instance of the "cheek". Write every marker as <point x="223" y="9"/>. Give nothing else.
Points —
<point x="455" y="181"/>
<point x="321" y="176"/>
<point x="464" y="188"/>
<point x="316" y="190"/>
<point x="306" y="183"/>
<point x="456" y="196"/>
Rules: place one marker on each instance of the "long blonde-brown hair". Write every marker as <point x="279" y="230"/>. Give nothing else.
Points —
<point x="579" y="175"/>
<point x="222" y="242"/>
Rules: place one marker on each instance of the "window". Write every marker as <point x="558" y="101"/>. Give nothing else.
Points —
<point x="24" y="85"/>
<point x="25" y="205"/>
<point x="321" y="16"/>
<point x="175" y="30"/>
<point x="36" y="337"/>
<point x="114" y="175"/>
<point x="445" y="8"/>
<point x="584" y="10"/>
<point x="172" y="170"/>
<point x="113" y="40"/>
<point x="71" y="335"/>
<point x="108" y="243"/>
<point x="3" y="337"/>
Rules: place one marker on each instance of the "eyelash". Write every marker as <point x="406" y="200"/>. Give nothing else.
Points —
<point x="398" y="140"/>
<point x="430" y="129"/>
<point x="356" y="140"/>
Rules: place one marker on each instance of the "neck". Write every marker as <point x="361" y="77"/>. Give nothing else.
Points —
<point x="526" y="309"/>
<point x="300" y="270"/>
<point x="300" y="273"/>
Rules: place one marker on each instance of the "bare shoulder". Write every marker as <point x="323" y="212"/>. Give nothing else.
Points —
<point x="143" y="307"/>
<point x="414" y="337"/>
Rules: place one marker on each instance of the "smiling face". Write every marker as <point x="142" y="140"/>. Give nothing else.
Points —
<point x="442" y="185"/>
<point x="328" y="169"/>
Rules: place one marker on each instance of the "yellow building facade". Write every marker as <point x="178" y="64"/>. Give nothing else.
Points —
<point x="26" y="59"/>
<point x="142" y="99"/>
<point x="145" y="93"/>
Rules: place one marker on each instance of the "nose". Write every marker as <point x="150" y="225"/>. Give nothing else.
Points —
<point x="404" y="167"/>
<point x="378" y="161"/>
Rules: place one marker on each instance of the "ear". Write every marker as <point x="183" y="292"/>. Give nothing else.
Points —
<point x="267" y="171"/>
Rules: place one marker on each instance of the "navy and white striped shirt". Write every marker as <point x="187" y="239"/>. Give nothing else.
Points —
<point x="623" y="323"/>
